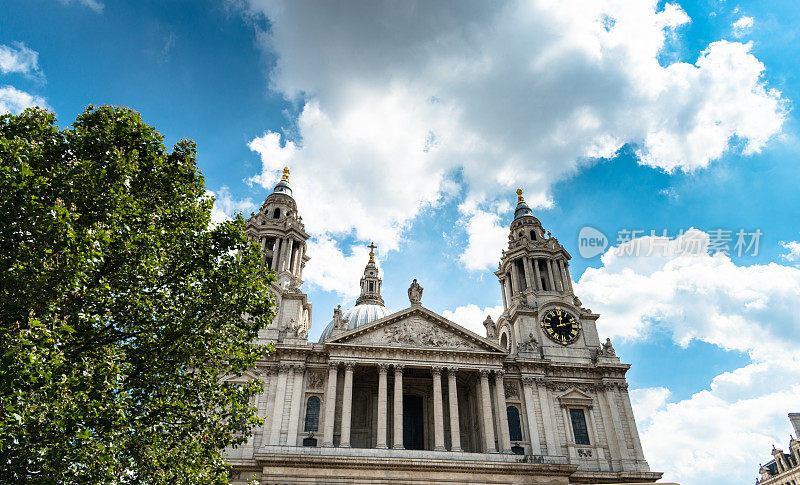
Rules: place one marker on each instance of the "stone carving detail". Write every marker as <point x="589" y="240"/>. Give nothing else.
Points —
<point x="415" y="293"/>
<point x="584" y="452"/>
<point x="491" y="327"/>
<point x="339" y="323"/>
<point x="315" y="380"/>
<point x="529" y="345"/>
<point x="608" y="349"/>
<point x="511" y="390"/>
<point x="292" y="327"/>
<point x="418" y="333"/>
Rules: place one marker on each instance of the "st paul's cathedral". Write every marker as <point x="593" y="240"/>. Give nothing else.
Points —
<point x="408" y="396"/>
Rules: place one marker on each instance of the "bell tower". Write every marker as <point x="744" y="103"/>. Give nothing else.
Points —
<point x="279" y="230"/>
<point x="538" y="299"/>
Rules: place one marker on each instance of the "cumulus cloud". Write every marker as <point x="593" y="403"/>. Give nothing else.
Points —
<point x="19" y="58"/>
<point x="719" y="434"/>
<point x="331" y="270"/>
<point x="12" y="100"/>
<point x="472" y="316"/>
<point x="742" y="26"/>
<point x="794" y="250"/>
<point x="225" y="205"/>
<point x="398" y="99"/>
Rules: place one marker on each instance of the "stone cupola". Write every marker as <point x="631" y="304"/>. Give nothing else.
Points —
<point x="370" y="282"/>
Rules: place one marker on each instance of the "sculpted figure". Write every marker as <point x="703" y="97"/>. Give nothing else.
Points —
<point x="415" y="293"/>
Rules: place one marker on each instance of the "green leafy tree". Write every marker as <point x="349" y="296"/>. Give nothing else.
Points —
<point x="121" y="307"/>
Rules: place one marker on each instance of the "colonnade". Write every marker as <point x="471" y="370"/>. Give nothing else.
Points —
<point x="437" y="394"/>
<point x="285" y="255"/>
<point x="556" y="277"/>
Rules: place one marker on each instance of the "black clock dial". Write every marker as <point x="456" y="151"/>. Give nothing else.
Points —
<point x="561" y="326"/>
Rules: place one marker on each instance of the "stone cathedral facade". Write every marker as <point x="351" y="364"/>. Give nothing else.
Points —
<point x="408" y="396"/>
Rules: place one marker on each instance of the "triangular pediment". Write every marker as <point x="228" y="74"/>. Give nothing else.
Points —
<point x="575" y="397"/>
<point x="416" y="327"/>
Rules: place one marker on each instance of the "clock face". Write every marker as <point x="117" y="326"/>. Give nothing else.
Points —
<point x="561" y="326"/>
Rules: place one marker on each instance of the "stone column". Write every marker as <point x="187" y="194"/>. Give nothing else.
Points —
<point x="526" y="265"/>
<point x="569" y="278"/>
<point x="277" y="408"/>
<point x="438" y="410"/>
<point x="530" y="412"/>
<point x="452" y="400"/>
<point x="398" y="407"/>
<point x="486" y="409"/>
<point x="275" y="248"/>
<point x="538" y="275"/>
<point x="516" y="286"/>
<point x="550" y="273"/>
<point x="287" y="260"/>
<point x="382" y="370"/>
<point x="330" y="404"/>
<point x="563" y="274"/>
<point x="547" y="419"/>
<point x="347" y="404"/>
<point x="503" y="294"/>
<point x="500" y="393"/>
<point x="297" y="401"/>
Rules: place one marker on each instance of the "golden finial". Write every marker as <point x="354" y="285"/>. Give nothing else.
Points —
<point x="372" y="247"/>
<point x="520" y="198"/>
<point x="285" y="177"/>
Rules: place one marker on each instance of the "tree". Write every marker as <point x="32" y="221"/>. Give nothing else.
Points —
<point x="121" y="308"/>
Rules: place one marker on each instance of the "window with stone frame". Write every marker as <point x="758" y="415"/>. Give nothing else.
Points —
<point x="312" y="414"/>
<point x="514" y="424"/>
<point x="579" y="428"/>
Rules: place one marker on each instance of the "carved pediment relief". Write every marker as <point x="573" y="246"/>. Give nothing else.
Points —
<point x="420" y="328"/>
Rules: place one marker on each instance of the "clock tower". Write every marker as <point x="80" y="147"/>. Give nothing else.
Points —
<point x="542" y="316"/>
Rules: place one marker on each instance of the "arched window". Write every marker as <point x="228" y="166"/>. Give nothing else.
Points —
<point x="514" y="427"/>
<point x="312" y="414"/>
<point x="533" y="235"/>
<point x="276" y="214"/>
<point x="504" y="341"/>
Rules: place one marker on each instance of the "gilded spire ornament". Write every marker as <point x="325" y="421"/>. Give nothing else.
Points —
<point x="520" y="198"/>
<point x="285" y="177"/>
<point x="372" y="247"/>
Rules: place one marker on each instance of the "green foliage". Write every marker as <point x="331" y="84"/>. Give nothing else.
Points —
<point x="120" y="307"/>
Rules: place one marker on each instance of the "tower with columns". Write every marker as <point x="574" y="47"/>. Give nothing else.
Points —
<point x="402" y="396"/>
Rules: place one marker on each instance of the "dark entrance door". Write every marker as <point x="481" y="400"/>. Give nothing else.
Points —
<point x="413" y="429"/>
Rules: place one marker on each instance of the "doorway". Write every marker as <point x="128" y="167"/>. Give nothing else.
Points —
<point x="413" y="426"/>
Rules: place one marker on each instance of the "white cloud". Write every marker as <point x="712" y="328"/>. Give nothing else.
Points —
<point x="402" y="96"/>
<point x="330" y="270"/>
<point x="487" y="236"/>
<point x="720" y="434"/>
<point x="12" y="100"/>
<point x="472" y="316"/>
<point x="95" y="5"/>
<point x="225" y="205"/>
<point x="19" y="58"/>
<point x="742" y="26"/>
<point x="794" y="250"/>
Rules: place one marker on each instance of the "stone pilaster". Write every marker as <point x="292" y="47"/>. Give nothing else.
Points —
<point x="347" y="404"/>
<point x="277" y="408"/>
<point x="637" y="444"/>
<point x="297" y="401"/>
<point x="547" y="419"/>
<point x="330" y="404"/>
<point x="618" y="434"/>
<point x="438" y="410"/>
<point x="505" y="441"/>
<point x="530" y="411"/>
<point x="382" y="405"/>
<point x="526" y="266"/>
<point x="486" y="410"/>
<point x="538" y="275"/>
<point x="398" y="407"/>
<point x="550" y="273"/>
<point x="452" y="399"/>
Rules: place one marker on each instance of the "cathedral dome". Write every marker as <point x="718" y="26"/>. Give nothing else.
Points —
<point x="357" y="316"/>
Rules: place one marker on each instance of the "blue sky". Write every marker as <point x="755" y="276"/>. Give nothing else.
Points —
<point x="412" y="125"/>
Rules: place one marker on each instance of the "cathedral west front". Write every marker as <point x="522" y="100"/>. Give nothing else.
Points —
<point x="408" y="396"/>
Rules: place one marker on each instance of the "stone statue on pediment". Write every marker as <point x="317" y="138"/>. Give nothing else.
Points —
<point x="415" y="293"/>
